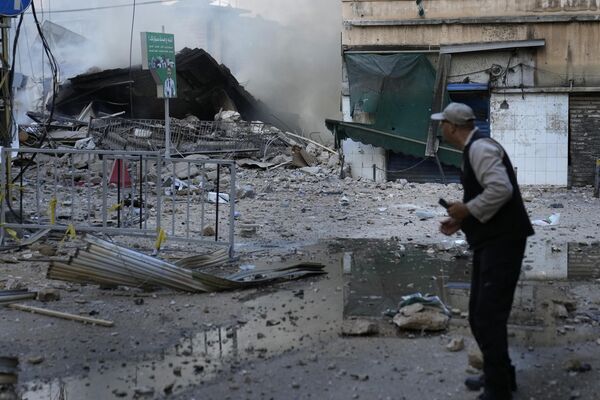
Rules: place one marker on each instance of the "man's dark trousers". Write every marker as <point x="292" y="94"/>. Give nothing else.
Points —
<point x="496" y="269"/>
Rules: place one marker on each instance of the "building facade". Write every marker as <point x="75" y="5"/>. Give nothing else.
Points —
<point x="529" y="68"/>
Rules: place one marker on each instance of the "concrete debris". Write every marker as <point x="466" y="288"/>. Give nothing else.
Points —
<point x="475" y="357"/>
<point x="576" y="365"/>
<point x="359" y="327"/>
<point x="456" y="344"/>
<point x="248" y="230"/>
<point x="249" y="163"/>
<point x="560" y="311"/>
<point x="228" y="116"/>
<point x="412" y="309"/>
<point x="427" y="319"/>
<point x="301" y="158"/>
<point x="208" y="230"/>
<point x="314" y="171"/>
<point x="246" y="192"/>
<point x="35" y="360"/>
<point x="47" y="250"/>
<point x="46" y="295"/>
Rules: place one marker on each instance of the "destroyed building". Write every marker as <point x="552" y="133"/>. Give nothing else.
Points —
<point x="204" y="89"/>
<point x="527" y="68"/>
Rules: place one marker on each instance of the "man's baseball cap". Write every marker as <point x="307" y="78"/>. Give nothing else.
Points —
<point x="456" y="113"/>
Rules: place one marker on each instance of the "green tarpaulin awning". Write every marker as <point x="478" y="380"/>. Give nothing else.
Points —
<point x="400" y="144"/>
<point x="394" y="91"/>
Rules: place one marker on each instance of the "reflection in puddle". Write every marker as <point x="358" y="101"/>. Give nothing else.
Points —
<point x="382" y="272"/>
<point x="281" y="321"/>
<point x="365" y="277"/>
<point x="544" y="310"/>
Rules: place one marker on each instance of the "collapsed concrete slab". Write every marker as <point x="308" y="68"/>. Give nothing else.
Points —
<point x="204" y="89"/>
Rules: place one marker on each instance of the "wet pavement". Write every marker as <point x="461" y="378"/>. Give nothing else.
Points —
<point x="365" y="278"/>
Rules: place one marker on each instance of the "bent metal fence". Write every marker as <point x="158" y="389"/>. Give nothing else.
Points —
<point x="227" y="137"/>
<point x="132" y="193"/>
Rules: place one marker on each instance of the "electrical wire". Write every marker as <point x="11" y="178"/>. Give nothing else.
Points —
<point x="145" y="3"/>
<point x="522" y="65"/>
<point x="54" y="69"/>
<point x="406" y="169"/>
<point x="130" y="62"/>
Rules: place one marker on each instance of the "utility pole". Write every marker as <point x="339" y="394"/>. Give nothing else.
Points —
<point x="5" y="89"/>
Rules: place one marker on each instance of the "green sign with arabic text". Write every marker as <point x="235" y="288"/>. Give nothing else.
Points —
<point x="158" y="55"/>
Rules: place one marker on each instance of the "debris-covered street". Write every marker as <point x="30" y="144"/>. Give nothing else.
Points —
<point x="227" y="207"/>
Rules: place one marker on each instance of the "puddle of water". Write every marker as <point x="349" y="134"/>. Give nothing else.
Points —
<point x="379" y="273"/>
<point x="283" y="321"/>
<point x="365" y="277"/>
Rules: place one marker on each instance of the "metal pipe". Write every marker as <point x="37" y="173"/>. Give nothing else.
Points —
<point x="119" y="168"/>
<point x="21" y="188"/>
<point x="217" y="203"/>
<point x="141" y="201"/>
<point x="232" y="193"/>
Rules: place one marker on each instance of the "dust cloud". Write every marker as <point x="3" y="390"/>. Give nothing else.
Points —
<point x="285" y="52"/>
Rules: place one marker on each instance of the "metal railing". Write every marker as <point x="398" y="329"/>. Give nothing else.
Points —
<point x="117" y="193"/>
<point x="195" y="136"/>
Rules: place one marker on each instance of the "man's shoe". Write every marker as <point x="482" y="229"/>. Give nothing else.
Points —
<point x="476" y="383"/>
<point x="490" y="396"/>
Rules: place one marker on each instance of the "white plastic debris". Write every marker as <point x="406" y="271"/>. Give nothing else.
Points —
<point x="223" y="197"/>
<point x="424" y="214"/>
<point x="553" y="219"/>
<point x="85" y="144"/>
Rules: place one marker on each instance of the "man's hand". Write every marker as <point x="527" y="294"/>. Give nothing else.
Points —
<point x="458" y="211"/>
<point x="449" y="226"/>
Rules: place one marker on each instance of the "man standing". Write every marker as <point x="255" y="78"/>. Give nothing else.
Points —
<point x="169" y="90"/>
<point x="496" y="224"/>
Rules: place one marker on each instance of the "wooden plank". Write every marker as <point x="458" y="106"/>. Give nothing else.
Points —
<point x="59" y="314"/>
<point x="441" y="79"/>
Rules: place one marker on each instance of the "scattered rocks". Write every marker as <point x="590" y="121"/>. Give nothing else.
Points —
<point x="208" y="230"/>
<point x="48" y="294"/>
<point x="456" y="344"/>
<point x="576" y="365"/>
<point x="359" y="327"/>
<point x="426" y="319"/>
<point x="47" y="250"/>
<point x="35" y="360"/>
<point x="475" y="357"/>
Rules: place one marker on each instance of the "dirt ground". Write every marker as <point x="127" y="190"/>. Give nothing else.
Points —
<point x="284" y="341"/>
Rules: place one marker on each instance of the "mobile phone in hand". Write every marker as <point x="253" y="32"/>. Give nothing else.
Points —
<point x="444" y="203"/>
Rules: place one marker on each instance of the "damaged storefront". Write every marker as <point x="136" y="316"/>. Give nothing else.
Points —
<point x="508" y="65"/>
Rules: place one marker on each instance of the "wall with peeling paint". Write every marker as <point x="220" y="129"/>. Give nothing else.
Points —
<point x="407" y="9"/>
<point x="534" y="130"/>
<point x="571" y="55"/>
<point x="535" y="127"/>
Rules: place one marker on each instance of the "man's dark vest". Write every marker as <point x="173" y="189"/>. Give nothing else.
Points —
<point x="511" y="221"/>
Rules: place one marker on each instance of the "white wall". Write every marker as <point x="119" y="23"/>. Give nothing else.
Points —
<point x="534" y="130"/>
<point x="361" y="157"/>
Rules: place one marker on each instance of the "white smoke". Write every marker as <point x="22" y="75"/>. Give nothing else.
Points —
<point x="285" y="52"/>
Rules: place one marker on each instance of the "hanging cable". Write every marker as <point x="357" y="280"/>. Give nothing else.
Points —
<point x="54" y="69"/>
<point x="130" y="61"/>
<point x="144" y="3"/>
